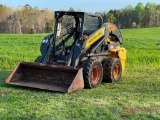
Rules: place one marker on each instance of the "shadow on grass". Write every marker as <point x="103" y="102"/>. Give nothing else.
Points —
<point x="3" y="77"/>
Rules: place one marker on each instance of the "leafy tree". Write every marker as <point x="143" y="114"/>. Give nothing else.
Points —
<point x="139" y="12"/>
<point x="49" y="26"/>
<point x="27" y="19"/>
<point x="71" y="9"/>
<point x="2" y="8"/>
<point x="110" y="17"/>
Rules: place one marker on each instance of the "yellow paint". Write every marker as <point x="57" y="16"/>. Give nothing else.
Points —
<point x="112" y="27"/>
<point x="95" y="37"/>
<point x="109" y="40"/>
<point x="119" y="53"/>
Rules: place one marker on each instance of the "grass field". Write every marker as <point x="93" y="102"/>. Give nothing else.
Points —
<point x="136" y="96"/>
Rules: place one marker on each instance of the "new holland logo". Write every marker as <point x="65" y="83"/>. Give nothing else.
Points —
<point x="95" y="37"/>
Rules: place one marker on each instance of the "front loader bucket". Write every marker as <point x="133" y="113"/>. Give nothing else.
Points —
<point x="47" y="77"/>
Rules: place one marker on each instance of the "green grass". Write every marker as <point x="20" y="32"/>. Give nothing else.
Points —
<point x="16" y="48"/>
<point x="135" y="97"/>
<point x="143" y="46"/>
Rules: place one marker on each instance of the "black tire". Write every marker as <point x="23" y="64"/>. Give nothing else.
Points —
<point x="92" y="73"/>
<point x="39" y="59"/>
<point x="112" y="70"/>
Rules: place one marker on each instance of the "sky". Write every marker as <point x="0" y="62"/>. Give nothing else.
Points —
<point x="85" y="5"/>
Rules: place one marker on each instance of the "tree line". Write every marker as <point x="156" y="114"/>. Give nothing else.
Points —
<point x="25" y="19"/>
<point x="140" y="16"/>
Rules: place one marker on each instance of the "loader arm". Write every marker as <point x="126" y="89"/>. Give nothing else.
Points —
<point x="84" y="48"/>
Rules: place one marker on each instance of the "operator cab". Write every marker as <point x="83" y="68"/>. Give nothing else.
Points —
<point x="71" y="27"/>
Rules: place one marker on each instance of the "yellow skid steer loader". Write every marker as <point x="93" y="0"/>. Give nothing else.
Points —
<point x="82" y="52"/>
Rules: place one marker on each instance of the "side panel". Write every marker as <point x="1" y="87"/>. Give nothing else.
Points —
<point x="119" y="53"/>
<point x="107" y="29"/>
<point x="94" y="37"/>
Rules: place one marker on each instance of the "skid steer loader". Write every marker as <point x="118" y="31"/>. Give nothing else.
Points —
<point x="82" y="52"/>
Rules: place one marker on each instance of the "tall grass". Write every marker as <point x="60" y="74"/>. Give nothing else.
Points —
<point x="143" y="46"/>
<point x="16" y="48"/>
<point x="135" y="97"/>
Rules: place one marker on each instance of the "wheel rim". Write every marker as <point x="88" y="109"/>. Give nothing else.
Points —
<point x="95" y="75"/>
<point x="116" y="71"/>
